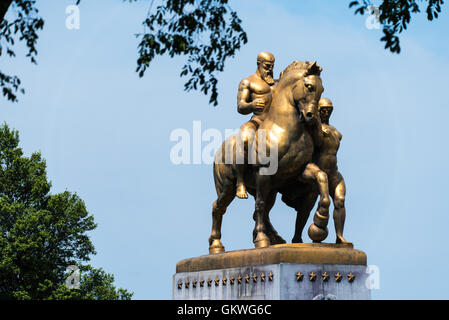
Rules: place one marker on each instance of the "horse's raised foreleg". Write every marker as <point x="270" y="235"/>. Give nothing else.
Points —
<point x="263" y="192"/>
<point x="218" y="210"/>
<point x="318" y="230"/>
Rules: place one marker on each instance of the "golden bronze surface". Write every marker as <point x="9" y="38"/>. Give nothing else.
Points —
<point x="302" y="196"/>
<point x="338" y="277"/>
<point x="209" y="283"/>
<point x="254" y="96"/>
<point x="317" y="253"/>
<point x="294" y="121"/>
<point x="299" y="277"/>
<point x="287" y="112"/>
<point x="351" y="277"/>
<point x="255" y="277"/>
<point x="312" y="276"/>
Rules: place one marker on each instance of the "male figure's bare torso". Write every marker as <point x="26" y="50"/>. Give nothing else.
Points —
<point x="327" y="159"/>
<point x="254" y="89"/>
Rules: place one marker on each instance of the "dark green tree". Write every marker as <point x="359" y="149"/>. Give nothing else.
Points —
<point x="42" y="234"/>
<point x="206" y="32"/>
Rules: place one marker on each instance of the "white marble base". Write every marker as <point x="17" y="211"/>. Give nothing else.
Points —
<point x="283" y="284"/>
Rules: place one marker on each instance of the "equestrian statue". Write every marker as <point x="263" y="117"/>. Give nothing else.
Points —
<point x="287" y="147"/>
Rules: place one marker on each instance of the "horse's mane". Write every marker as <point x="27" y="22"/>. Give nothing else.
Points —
<point x="311" y="68"/>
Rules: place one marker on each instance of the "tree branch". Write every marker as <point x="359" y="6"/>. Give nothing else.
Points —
<point x="4" y="6"/>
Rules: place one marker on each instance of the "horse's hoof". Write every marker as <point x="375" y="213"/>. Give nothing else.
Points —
<point x="216" y="247"/>
<point x="262" y="241"/>
<point x="277" y="239"/>
<point x="297" y="240"/>
<point x="317" y="234"/>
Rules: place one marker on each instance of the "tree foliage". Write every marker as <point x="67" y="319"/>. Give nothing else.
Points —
<point x="42" y="234"/>
<point x="24" y="26"/>
<point x="206" y="32"/>
<point x="395" y="15"/>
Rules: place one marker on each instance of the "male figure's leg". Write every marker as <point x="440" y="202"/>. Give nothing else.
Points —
<point x="246" y="136"/>
<point x="337" y="190"/>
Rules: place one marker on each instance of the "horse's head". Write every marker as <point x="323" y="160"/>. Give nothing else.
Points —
<point x="303" y="79"/>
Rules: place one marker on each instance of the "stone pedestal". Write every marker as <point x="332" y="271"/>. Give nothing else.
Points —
<point x="288" y="272"/>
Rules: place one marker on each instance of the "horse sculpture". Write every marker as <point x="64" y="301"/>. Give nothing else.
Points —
<point x="301" y="196"/>
<point x="292" y="126"/>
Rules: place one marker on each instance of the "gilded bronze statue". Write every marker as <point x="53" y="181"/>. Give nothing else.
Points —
<point x="288" y="147"/>
<point x="292" y="128"/>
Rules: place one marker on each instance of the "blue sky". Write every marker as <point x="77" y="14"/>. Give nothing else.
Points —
<point x="105" y="135"/>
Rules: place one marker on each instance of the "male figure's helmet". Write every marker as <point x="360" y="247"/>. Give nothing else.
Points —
<point x="325" y="103"/>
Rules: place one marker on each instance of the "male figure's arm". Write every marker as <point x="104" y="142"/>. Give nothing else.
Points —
<point x="244" y="103"/>
<point x="338" y="134"/>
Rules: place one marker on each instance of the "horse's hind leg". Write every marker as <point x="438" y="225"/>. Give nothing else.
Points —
<point x="270" y="231"/>
<point x="219" y="206"/>
<point x="262" y="195"/>
<point x="303" y="206"/>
